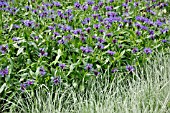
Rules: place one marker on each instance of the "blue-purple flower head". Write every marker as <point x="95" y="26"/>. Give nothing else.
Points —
<point x="125" y="5"/>
<point x="86" y="49"/>
<point x="100" y="4"/>
<point x="96" y="73"/>
<point x="147" y="50"/>
<point x="77" y="5"/>
<point x="100" y="46"/>
<point x="151" y="32"/>
<point x="96" y="26"/>
<point x="3" y="49"/>
<point x="77" y="31"/>
<point x="101" y="40"/>
<point x="29" y="82"/>
<point x="26" y="84"/>
<point x="135" y="50"/>
<point x="138" y="33"/>
<point x="23" y="86"/>
<point x="109" y="8"/>
<point x="4" y="72"/>
<point x="89" y="66"/>
<point x="130" y="68"/>
<point x="84" y="7"/>
<point x="111" y="52"/>
<point x="28" y="23"/>
<point x="57" y="4"/>
<point x="15" y="39"/>
<point x="56" y="80"/>
<point x="164" y="30"/>
<point x="95" y="8"/>
<point x="114" y="41"/>
<point x="114" y="70"/>
<point x="164" y="40"/>
<point x="62" y="66"/>
<point x="42" y="71"/>
<point x="61" y="41"/>
<point x="42" y="52"/>
<point x="109" y="34"/>
<point x="90" y="2"/>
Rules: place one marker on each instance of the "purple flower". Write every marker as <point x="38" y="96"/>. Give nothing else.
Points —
<point x="100" y="46"/>
<point x="114" y="70"/>
<point x="88" y="29"/>
<point x="3" y="49"/>
<point x="138" y="33"/>
<point x="23" y="86"/>
<point x="120" y="46"/>
<point x="77" y="5"/>
<point x="88" y="66"/>
<point x="28" y="23"/>
<point x="111" y="1"/>
<point x="130" y="68"/>
<point x="56" y="80"/>
<point x="109" y="34"/>
<point x="27" y="8"/>
<point x="100" y="4"/>
<point x="86" y="49"/>
<point x="109" y="8"/>
<point x="84" y="7"/>
<point x="15" y="26"/>
<point x="61" y="41"/>
<point x="125" y="5"/>
<point x="147" y="50"/>
<point x="36" y="37"/>
<point x="101" y="40"/>
<point x="144" y="27"/>
<point x="57" y="4"/>
<point x="42" y="52"/>
<point x="135" y="50"/>
<point x="51" y="28"/>
<point x="151" y="32"/>
<point x="95" y="8"/>
<point x="110" y="52"/>
<point x="164" y="30"/>
<point x="95" y="16"/>
<point x="101" y="31"/>
<point x="15" y="39"/>
<point x="96" y="26"/>
<point x="164" y="40"/>
<point x="62" y="66"/>
<point x="83" y="39"/>
<point x="4" y="72"/>
<point x="29" y="82"/>
<point x="136" y="4"/>
<point x="114" y="41"/>
<point x="56" y="34"/>
<point x="77" y="31"/>
<point x="42" y="71"/>
<point x="158" y="23"/>
<point x="90" y="2"/>
<point x="96" y="73"/>
<point x="138" y="25"/>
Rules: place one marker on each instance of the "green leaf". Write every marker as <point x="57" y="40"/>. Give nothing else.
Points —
<point x="57" y="57"/>
<point x="2" y="87"/>
<point x="20" y="50"/>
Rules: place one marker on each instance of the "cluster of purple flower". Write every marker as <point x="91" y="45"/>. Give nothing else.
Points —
<point x="3" y="49"/>
<point x="98" y="21"/>
<point x="89" y="67"/>
<point x="86" y="49"/>
<point x="4" y="72"/>
<point x="26" y="84"/>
